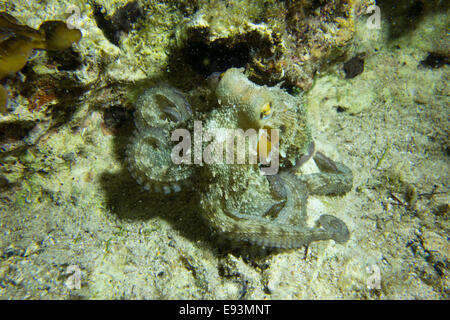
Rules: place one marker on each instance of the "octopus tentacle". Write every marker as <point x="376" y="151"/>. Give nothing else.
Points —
<point x="161" y="106"/>
<point x="260" y="231"/>
<point x="158" y="111"/>
<point x="335" y="227"/>
<point x="279" y="233"/>
<point x="334" y="179"/>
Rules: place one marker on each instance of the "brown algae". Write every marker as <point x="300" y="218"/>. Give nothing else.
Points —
<point x="17" y="42"/>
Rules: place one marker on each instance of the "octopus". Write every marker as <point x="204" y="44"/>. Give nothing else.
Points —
<point x="239" y="200"/>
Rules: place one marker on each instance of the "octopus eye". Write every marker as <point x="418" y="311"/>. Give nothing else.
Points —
<point x="266" y="111"/>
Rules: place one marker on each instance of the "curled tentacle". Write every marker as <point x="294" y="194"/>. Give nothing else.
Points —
<point x="287" y="186"/>
<point x="266" y="233"/>
<point x="159" y="110"/>
<point x="334" y="179"/>
<point x="304" y="158"/>
<point x="173" y="114"/>
<point x="163" y="107"/>
<point x="335" y="227"/>
<point x="281" y="231"/>
<point x="153" y="148"/>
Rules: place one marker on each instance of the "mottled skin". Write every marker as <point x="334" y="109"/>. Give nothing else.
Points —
<point x="237" y="200"/>
<point x="271" y="211"/>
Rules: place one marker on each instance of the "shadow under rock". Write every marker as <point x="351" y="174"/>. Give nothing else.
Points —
<point x="403" y="16"/>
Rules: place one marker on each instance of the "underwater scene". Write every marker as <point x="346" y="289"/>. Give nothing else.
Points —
<point x="224" y="149"/>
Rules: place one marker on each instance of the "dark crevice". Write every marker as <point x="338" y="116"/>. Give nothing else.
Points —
<point x="216" y="57"/>
<point x="14" y="131"/>
<point x="200" y="58"/>
<point x="435" y="60"/>
<point x="67" y="60"/>
<point x="353" y="67"/>
<point x="115" y="117"/>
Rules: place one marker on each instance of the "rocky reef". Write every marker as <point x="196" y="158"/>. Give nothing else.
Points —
<point x="278" y="41"/>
